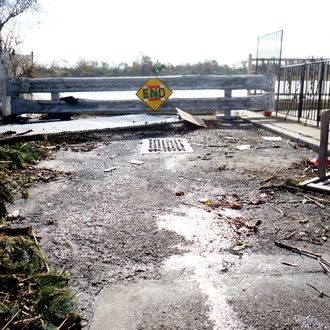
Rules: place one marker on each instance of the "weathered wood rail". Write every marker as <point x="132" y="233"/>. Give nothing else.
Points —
<point x="11" y="89"/>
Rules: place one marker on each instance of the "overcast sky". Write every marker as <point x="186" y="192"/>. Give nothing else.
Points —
<point x="175" y="31"/>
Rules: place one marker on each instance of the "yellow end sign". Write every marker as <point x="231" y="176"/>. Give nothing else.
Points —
<point x="154" y="93"/>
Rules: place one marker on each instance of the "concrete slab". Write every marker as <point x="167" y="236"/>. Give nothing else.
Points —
<point x="88" y="124"/>
<point x="149" y="303"/>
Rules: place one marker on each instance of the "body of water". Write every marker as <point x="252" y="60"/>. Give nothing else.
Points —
<point x="130" y="95"/>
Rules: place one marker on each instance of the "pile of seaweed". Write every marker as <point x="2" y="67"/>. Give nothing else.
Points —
<point x="32" y="296"/>
<point x="14" y="159"/>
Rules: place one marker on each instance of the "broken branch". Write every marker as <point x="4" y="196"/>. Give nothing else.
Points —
<point x="315" y="256"/>
<point x="312" y="200"/>
<point x="289" y="264"/>
<point x="11" y="320"/>
<point x="321" y="293"/>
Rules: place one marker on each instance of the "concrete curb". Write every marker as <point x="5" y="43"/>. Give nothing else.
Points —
<point x="294" y="137"/>
<point x="293" y="131"/>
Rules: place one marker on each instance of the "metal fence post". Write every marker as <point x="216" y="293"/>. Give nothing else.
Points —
<point x="324" y="140"/>
<point x="5" y="100"/>
<point x="301" y="91"/>
<point x="279" y="76"/>
<point x="320" y="86"/>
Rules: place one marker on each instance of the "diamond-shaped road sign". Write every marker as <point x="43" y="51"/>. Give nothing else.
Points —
<point x="154" y="93"/>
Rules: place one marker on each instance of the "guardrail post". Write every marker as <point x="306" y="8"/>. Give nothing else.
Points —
<point x="55" y="96"/>
<point x="324" y="140"/>
<point x="5" y="100"/>
<point x="227" y="112"/>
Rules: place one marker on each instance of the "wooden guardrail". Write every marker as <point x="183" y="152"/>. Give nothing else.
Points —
<point x="12" y="103"/>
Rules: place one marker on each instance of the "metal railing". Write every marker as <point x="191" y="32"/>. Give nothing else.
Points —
<point x="303" y="90"/>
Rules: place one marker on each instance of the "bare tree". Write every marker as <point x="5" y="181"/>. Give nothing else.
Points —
<point x="9" y="9"/>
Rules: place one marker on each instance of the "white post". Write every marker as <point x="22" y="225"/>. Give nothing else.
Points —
<point x="5" y="100"/>
<point x="249" y="70"/>
<point x="249" y="65"/>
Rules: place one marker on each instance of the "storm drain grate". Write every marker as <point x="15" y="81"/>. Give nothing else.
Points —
<point x="174" y="145"/>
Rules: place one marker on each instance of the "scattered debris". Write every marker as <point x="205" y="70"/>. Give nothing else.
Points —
<point x="275" y="146"/>
<point x="230" y="139"/>
<point x="9" y="231"/>
<point x="84" y="147"/>
<point x="26" y="132"/>
<point x="272" y="138"/>
<point x="205" y="201"/>
<point x="230" y="201"/>
<point x="243" y="147"/>
<point x="308" y="199"/>
<point x="7" y="133"/>
<point x="49" y="222"/>
<point x="324" y="263"/>
<point x="241" y="246"/>
<point x="279" y="210"/>
<point x="224" y="167"/>
<point x="291" y="182"/>
<point x="239" y="223"/>
<point x="321" y="293"/>
<point x="191" y="119"/>
<point x="256" y="201"/>
<point x="293" y="145"/>
<point x="136" y="162"/>
<point x="314" y="162"/>
<point x="206" y="157"/>
<point x="289" y="264"/>
<point x="110" y="169"/>
<point x="217" y="145"/>
<point x="269" y="178"/>
<point x="13" y="215"/>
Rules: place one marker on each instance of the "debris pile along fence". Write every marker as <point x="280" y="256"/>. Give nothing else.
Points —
<point x="304" y="90"/>
<point x="13" y="104"/>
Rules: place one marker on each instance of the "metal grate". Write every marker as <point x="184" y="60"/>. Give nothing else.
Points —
<point x="174" y="145"/>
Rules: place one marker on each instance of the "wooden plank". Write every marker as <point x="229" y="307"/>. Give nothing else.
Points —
<point x="319" y="187"/>
<point x="313" y="180"/>
<point x="317" y="184"/>
<point x="190" y="82"/>
<point x="193" y="106"/>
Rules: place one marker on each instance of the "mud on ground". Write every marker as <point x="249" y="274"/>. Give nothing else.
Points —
<point x="114" y="227"/>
